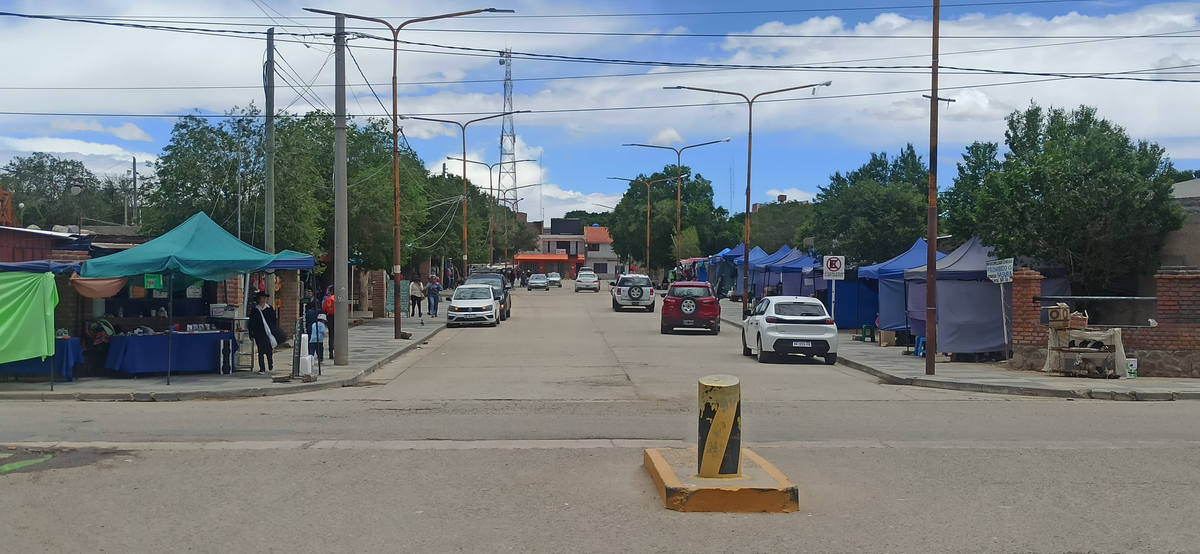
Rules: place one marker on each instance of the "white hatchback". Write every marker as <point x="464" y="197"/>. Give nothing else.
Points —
<point x="587" y="281"/>
<point x="473" y="305"/>
<point x="783" y="325"/>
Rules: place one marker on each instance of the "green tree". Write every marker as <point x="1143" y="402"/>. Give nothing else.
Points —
<point x="959" y="205"/>
<point x="874" y="212"/>
<point x="777" y="223"/>
<point x="689" y="244"/>
<point x="628" y="223"/>
<point x="588" y="218"/>
<point x="1075" y="190"/>
<point x="56" y="191"/>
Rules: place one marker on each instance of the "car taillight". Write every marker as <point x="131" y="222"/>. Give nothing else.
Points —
<point x="829" y="321"/>
<point x="651" y="292"/>
<point x="772" y="319"/>
<point x="620" y="291"/>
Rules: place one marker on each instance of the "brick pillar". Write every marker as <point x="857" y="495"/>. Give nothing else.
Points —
<point x="1029" y="336"/>
<point x="289" y="300"/>
<point x="69" y="256"/>
<point x="230" y="292"/>
<point x="379" y="280"/>
<point x="423" y="270"/>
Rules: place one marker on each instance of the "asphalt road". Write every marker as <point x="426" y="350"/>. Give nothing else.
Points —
<point x="528" y="438"/>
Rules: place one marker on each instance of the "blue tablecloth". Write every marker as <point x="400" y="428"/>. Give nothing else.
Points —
<point x="68" y="354"/>
<point x="200" y="353"/>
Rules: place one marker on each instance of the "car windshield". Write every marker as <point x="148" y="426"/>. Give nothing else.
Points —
<point x="472" y="293"/>
<point x="553" y="276"/>
<point x="634" y="282"/>
<point x="689" y="292"/>
<point x="587" y="276"/>
<point x="799" y="309"/>
<point x="493" y="280"/>
<point x="538" y="277"/>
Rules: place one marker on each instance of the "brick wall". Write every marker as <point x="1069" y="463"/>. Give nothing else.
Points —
<point x="379" y="280"/>
<point x="1171" y="349"/>
<point x="289" y="300"/>
<point x="71" y="309"/>
<point x="69" y="256"/>
<point x="1027" y="327"/>
<point x="230" y="292"/>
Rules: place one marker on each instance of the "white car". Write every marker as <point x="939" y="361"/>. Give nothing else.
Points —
<point x="783" y="325"/>
<point x="554" y="279"/>
<point x="633" y="291"/>
<point x="587" y="281"/>
<point x="473" y="305"/>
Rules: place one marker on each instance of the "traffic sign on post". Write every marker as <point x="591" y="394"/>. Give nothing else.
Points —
<point x="1000" y="271"/>
<point x="835" y="268"/>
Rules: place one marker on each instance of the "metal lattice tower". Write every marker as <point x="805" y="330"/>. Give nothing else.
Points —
<point x="508" y="136"/>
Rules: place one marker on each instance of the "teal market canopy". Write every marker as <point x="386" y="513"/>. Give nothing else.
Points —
<point x="197" y="247"/>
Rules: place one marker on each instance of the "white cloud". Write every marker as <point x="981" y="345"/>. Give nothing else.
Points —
<point x="126" y="131"/>
<point x="56" y="145"/>
<point x="791" y="193"/>
<point x="666" y="135"/>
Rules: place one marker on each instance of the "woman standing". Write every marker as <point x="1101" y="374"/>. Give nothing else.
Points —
<point x="262" y="321"/>
<point x="416" y="292"/>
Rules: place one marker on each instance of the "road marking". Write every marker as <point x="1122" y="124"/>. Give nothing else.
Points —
<point x="575" y="444"/>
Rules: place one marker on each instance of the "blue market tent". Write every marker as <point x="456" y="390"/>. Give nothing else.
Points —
<point x="756" y="254"/>
<point x="797" y="273"/>
<point x="41" y="266"/>
<point x="758" y="271"/>
<point x="889" y="275"/>
<point x="855" y="303"/>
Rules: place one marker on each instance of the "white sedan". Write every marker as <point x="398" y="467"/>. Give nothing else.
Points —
<point x="783" y="325"/>
<point x="473" y="305"/>
<point x="587" y="281"/>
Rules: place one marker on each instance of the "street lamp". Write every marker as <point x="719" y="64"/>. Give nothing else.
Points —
<point x="647" y="211"/>
<point x="678" y="184"/>
<point x="492" y="205"/>
<point x="463" y="128"/>
<point x="395" y="29"/>
<point x="749" y="152"/>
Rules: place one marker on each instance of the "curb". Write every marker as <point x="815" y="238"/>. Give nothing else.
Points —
<point x="253" y="392"/>
<point x="967" y="386"/>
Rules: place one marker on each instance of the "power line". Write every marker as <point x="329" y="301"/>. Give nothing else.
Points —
<point x="365" y="80"/>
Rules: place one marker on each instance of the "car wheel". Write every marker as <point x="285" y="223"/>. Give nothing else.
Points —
<point x="616" y="307"/>
<point x="665" y="330"/>
<point x="529" y="289"/>
<point x="508" y="313"/>
<point x="650" y="308"/>
<point x="494" y="323"/>
<point x="830" y="359"/>
<point x="746" y="349"/>
<point x="502" y="316"/>
<point x="717" y="330"/>
<point x="763" y="355"/>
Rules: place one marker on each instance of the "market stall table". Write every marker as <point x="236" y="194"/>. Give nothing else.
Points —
<point x="68" y="354"/>
<point x="196" y="352"/>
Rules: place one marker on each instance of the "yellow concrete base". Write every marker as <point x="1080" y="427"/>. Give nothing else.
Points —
<point x="761" y="488"/>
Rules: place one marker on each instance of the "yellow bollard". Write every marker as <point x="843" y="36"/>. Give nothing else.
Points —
<point x="720" y="437"/>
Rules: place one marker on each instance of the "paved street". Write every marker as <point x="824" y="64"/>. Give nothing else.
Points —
<point x="528" y="438"/>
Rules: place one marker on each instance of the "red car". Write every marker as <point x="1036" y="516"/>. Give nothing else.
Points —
<point x="690" y="304"/>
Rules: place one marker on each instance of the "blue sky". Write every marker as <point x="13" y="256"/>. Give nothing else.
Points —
<point x="797" y="143"/>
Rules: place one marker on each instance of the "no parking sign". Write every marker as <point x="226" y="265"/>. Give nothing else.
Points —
<point x="835" y="268"/>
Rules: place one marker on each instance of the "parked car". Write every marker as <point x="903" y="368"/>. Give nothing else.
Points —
<point x="538" y="281"/>
<point x="554" y="279"/>
<point x="784" y="325"/>
<point x="473" y="305"/>
<point x="690" y="304"/>
<point x="587" y="281"/>
<point x="500" y="289"/>
<point x="633" y="290"/>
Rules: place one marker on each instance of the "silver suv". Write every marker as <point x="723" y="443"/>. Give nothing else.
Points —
<point x="633" y="290"/>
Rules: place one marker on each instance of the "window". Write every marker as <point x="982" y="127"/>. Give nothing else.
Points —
<point x="689" y="292"/>
<point x="472" y="293"/>
<point x="601" y="268"/>
<point x="800" y="309"/>
<point x="593" y="247"/>
<point x="634" y="282"/>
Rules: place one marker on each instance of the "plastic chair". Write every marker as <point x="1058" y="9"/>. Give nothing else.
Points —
<point x="867" y="330"/>
<point x="919" y="352"/>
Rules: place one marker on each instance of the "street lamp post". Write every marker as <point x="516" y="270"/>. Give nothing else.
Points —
<point x="395" y="29"/>
<point x="749" y="152"/>
<point x="492" y="205"/>
<point x="463" y="128"/>
<point x="678" y="184"/>
<point x="647" y="211"/>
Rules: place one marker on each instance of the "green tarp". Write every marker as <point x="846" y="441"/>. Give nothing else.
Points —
<point x="27" y="302"/>
<point x="197" y="247"/>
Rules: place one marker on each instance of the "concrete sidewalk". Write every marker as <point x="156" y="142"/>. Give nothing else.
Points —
<point x="893" y="366"/>
<point x="371" y="346"/>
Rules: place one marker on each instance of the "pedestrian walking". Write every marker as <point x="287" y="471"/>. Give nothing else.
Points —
<point x="416" y="292"/>
<point x="432" y="290"/>
<point x="329" y="308"/>
<point x="262" y="325"/>
<point x="316" y="338"/>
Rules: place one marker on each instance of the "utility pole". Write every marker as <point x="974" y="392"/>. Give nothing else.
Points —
<point x="341" y="242"/>
<point x="931" y="216"/>
<point x="269" y="173"/>
<point x="135" y="196"/>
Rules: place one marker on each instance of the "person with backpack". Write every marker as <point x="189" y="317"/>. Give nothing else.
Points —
<point x="329" y="308"/>
<point x="316" y="338"/>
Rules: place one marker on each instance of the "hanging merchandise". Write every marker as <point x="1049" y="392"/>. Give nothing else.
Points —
<point x="27" y="302"/>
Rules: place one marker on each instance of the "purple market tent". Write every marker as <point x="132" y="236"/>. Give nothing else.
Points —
<point x="759" y="276"/>
<point x="889" y="277"/>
